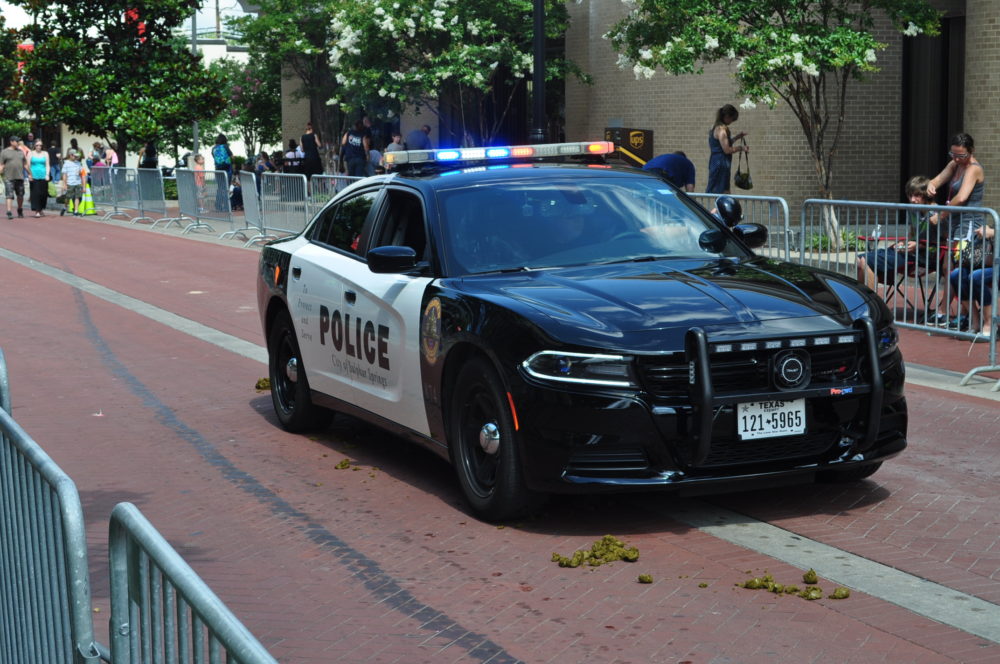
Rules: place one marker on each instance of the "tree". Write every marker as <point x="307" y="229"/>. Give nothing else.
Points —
<point x="115" y="69"/>
<point x="396" y="54"/>
<point x="253" y="101"/>
<point x="295" y="33"/>
<point x="12" y="109"/>
<point x="802" y="53"/>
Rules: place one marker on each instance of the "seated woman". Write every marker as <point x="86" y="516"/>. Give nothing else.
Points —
<point x="976" y="286"/>
<point x="885" y="265"/>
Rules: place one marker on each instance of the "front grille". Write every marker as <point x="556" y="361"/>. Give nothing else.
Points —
<point x="735" y="452"/>
<point x="610" y="461"/>
<point x="744" y="371"/>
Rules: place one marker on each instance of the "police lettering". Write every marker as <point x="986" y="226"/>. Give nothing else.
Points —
<point x="354" y="337"/>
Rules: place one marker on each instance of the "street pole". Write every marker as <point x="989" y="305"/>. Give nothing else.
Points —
<point x="194" y="50"/>
<point x="538" y="76"/>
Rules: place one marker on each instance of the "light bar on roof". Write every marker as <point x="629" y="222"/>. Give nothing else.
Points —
<point x="451" y="155"/>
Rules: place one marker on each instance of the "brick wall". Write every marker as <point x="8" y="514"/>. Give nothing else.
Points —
<point x="681" y="109"/>
<point x="982" y="89"/>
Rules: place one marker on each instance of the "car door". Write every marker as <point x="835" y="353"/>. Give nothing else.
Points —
<point x="316" y="293"/>
<point x="385" y="314"/>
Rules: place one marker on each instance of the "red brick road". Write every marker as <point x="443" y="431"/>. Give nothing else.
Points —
<point x="380" y="563"/>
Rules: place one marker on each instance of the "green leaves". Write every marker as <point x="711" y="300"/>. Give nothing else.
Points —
<point x="801" y="53"/>
<point x="100" y="71"/>
<point x="396" y="53"/>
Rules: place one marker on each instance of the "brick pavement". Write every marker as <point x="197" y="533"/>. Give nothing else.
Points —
<point x="382" y="564"/>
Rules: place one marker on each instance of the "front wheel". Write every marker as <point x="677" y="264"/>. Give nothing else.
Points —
<point x="483" y="445"/>
<point x="289" y="386"/>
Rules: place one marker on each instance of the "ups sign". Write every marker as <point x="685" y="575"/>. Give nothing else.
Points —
<point x="634" y="145"/>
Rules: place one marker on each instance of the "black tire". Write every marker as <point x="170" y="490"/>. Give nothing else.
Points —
<point x="855" y="474"/>
<point x="483" y="446"/>
<point x="289" y="385"/>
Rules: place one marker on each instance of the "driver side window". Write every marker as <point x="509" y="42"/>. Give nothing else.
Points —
<point x="342" y="224"/>
<point x="404" y="224"/>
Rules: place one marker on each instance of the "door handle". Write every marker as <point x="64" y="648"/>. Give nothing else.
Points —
<point x="296" y="272"/>
<point x="350" y="296"/>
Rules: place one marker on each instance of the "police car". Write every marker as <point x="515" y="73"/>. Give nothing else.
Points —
<point x="550" y="323"/>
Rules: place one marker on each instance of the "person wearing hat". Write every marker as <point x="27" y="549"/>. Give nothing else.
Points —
<point x="12" y="164"/>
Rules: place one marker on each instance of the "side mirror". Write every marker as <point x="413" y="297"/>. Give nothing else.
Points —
<point x="754" y="235"/>
<point x="712" y="241"/>
<point x="730" y="210"/>
<point x="391" y="259"/>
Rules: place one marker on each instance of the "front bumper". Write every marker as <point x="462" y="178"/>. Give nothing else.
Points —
<point x="579" y="441"/>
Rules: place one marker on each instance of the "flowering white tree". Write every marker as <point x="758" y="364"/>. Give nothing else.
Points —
<point x="802" y="53"/>
<point x="394" y="54"/>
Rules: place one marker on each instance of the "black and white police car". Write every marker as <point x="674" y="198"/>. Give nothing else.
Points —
<point x="551" y="324"/>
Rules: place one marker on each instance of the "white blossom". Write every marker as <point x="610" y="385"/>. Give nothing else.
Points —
<point x="711" y="42"/>
<point x="912" y="30"/>
<point x="382" y="92"/>
<point x="379" y="11"/>
<point x="642" y="70"/>
<point x="811" y="69"/>
<point x="731" y="54"/>
<point x="646" y="54"/>
<point x="795" y="39"/>
<point x="870" y="55"/>
<point x="623" y="61"/>
<point x="748" y="104"/>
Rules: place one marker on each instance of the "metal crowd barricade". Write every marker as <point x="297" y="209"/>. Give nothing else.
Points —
<point x="324" y="187"/>
<point x="770" y="211"/>
<point x="254" y="220"/>
<point x="911" y="257"/>
<point x="45" y="607"/>
<point x="124" y="192"/>
<point x="284" y="204"/>
<point x="151" y="196"/>
<point x="203" y="195"/>
<point x="161" y="611"/>
<point x="101" y="187"/>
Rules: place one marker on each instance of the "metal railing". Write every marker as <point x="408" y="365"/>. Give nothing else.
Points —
<point x="161" y="610"/>
<point x="284" y="204"/>
<point x="203" y="195"/>
<point x="324" y="187"/>
<point x="912" y="255"/>
<point x="152" y="198"/>
<point x="101" y="187"/>
<point x="770" y="211"/>
<point x="252" y="215"/>
<point x="45" y="612"/>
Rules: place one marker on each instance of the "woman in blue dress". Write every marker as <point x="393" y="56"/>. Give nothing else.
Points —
<point x="39" y="173"/>
<point x="720" y="144"/>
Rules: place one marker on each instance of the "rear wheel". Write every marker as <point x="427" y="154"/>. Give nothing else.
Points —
<point x="855" y="474"/>
<point x="289" y="386"/>
<point x="483" y="445"/>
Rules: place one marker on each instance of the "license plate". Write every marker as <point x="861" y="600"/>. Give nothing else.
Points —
<point x="768" y="419"/>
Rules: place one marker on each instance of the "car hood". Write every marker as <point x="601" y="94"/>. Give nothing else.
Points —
<point x="632" y="304"/>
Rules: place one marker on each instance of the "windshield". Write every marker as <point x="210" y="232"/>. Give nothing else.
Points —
<point x="570" y="220"/>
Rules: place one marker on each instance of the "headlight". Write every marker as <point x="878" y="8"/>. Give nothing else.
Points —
<point x="888" y="340"/>
<point x="581" y="368"/>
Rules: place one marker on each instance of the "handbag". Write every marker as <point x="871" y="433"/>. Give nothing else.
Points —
<point x="742" y="178"/>
<point x="976" y="253"/>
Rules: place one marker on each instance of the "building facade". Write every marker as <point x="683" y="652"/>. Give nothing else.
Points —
<point x="897" y="123"/>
